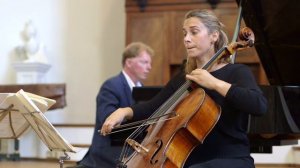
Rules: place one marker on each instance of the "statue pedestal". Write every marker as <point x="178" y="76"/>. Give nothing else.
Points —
<point x="31" y="72"/>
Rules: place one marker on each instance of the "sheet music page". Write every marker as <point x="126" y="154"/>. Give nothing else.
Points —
<point x="4" y="95"/>
<point x="12" y="122"/>
<point x="42" y="103"/>
<point x="45" y="130"/>
<point x="21" y="110"/>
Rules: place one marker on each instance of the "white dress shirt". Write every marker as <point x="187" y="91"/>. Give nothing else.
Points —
<point x="130" y="82"/>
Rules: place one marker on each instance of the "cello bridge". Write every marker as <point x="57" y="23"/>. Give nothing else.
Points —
<point x="137" y="147"/>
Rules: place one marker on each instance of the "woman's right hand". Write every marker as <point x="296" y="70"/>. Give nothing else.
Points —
<point x="115" y="119"/>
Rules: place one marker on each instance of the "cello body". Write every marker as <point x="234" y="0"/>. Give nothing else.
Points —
<point x="169" y="143"/>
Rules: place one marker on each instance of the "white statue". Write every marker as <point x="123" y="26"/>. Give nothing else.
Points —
<point x="32" y="51"/>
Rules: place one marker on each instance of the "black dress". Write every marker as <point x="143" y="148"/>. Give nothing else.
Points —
<point x="228" y="139"/>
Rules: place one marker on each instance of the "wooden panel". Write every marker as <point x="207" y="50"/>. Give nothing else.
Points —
<point x="177" y="52"/>
<point x="51" y="91"/>
<point x="160" y="26"/>
<point x="152" y="29"/>
<point x="175" y="5"/>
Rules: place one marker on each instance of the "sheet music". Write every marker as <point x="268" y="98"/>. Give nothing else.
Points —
<point x="28" y="111"/>
<point x="12" y="123"/>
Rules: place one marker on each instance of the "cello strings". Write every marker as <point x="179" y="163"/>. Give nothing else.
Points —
<point x="132" y="125"/>
<point x="149" y="122"/>
<point x="172" y="101"/>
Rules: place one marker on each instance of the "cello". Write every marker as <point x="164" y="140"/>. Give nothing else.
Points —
<point x="180" y="124"/>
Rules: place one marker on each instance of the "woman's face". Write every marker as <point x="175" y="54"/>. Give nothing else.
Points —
<point x="197" y="40"/>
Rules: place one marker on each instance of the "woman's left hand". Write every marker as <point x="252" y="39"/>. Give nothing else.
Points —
<point x="205" y="79"/>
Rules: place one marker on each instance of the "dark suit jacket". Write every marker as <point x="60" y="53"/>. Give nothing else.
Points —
<point x="113" y="94"/>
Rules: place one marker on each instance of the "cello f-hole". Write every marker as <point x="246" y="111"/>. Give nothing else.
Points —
<point x="159" y="144"/>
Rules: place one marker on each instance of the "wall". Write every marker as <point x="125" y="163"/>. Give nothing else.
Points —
<point x="84" y="41"/>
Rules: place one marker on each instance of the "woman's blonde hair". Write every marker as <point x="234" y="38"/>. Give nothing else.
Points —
<point x="212" y="23"/>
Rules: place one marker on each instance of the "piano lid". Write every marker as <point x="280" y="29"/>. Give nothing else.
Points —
<point x="276" y="25"/>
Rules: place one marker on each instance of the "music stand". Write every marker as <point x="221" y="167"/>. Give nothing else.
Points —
<point x="20" y="110"/>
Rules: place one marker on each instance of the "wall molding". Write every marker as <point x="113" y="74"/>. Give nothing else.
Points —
<point x="265" y="165"/>
<point x="74" y="125"/>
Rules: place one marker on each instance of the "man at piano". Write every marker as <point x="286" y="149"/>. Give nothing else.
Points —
<point x="115" y="93"/>
<point x="232" y="86"/>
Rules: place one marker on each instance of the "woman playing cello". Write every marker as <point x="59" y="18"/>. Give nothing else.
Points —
<point x="232" y="86"/>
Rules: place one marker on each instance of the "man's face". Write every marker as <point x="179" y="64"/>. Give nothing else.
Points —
<point x="140" y="65"/>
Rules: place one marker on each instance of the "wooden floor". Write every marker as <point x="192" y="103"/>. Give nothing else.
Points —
<point x="33" y="164"/>
<point x="54" y="164"/>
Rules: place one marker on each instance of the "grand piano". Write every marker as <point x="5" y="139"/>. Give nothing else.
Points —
<point x="276" y="26"/>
